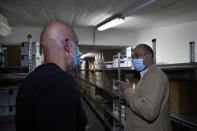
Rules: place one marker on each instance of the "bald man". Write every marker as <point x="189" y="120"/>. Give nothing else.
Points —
<point x="147" y="104"/>
<point x="49" y="99"/>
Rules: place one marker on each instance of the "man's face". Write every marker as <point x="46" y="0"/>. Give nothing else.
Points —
<point x="138" y="53"/>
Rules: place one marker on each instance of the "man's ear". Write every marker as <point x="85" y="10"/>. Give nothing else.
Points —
<point x="67" y="46"/>
<point x="149" y="58"/>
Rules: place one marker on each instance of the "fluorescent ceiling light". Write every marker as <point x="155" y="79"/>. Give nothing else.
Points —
<point x="5" y="30"/>
<point x="88" y="55"/>
<point x="119" y="18"/>
<point x="111" y="23"/>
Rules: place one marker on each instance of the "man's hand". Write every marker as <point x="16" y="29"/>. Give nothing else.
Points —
<point x="124" y="85"/>
<point x="88" y="127"/>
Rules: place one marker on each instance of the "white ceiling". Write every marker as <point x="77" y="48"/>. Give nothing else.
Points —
<point x="89" y="13"/>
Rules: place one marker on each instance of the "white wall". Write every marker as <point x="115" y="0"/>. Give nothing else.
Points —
<point x="172" y="41"/>
<point x="114" y="37"/>
<point x="85" y="36"/>
<point x="19" y="34"/>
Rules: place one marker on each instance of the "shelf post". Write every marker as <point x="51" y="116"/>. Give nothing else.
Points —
<point x="119" y="97"/>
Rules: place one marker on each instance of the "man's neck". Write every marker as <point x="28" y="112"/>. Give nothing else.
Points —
<point x="56" y="60"/>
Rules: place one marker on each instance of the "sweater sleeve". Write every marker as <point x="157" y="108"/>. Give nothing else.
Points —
<point x="148" y="104"/>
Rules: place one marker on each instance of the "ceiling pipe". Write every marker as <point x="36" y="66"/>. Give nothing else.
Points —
<point x="129" y="12"/>
<point x="121" y="16"/>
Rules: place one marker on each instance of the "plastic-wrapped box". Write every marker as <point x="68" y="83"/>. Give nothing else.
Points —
<point x="123" y="62"/>
<point x="129" y="62"/>
<point x="108" y="64"/>
<point x="115" y="61"/>
<point x="99" y="64"/>
<point x="129" y="51"/>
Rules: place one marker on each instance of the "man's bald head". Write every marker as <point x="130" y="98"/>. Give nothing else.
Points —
<point x="56" y="41"/>
<point x="146" y="49"/>
<point x="55" y="33"/>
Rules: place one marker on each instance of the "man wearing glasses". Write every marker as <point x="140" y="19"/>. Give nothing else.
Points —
<point x="147" y="108"/>
<point x="49" y="99"/>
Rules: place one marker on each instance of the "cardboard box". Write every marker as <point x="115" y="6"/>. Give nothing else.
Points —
<point x="91" y="77"/>
<point x="108" y="78"/>
<point x="99" y="83"/>
<point x="108" y="55"/>
<point x="14" y="55"/>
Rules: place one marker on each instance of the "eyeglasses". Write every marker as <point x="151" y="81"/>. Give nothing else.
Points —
<point x="137" y="55"/>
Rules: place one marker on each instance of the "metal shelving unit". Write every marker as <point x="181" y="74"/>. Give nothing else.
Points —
<point x="179" y="66"/>
<point x="190" y="68"/>
<point x="13" y="77"/>
<point x="10" y="80"/>
<point x="187" y="71"/>
<point x="185" y="120"/>
<point x="108" y="90"/>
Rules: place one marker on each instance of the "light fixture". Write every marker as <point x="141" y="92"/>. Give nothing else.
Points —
<point x="5" y="30"/>
<point x="111" y="22"/>
<point x="119" y="19"/>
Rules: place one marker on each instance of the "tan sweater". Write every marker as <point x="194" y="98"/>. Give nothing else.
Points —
<point x="147" y="108"/>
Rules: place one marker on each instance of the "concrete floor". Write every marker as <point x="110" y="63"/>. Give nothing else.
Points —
<point x="92" y="119"/>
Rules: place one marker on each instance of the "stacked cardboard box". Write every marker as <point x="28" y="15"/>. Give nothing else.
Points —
<point x="99" y="61"/>
<point x="14" y="55"/>
<point x="91" y="77"/>
<point x="109" y="77"/>
<point x="99" y="79"/>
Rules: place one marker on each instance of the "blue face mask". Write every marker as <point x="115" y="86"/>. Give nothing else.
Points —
<point x="77" y="57"/>
<point x="74" y="59"/>
<point x="138" y="64"/>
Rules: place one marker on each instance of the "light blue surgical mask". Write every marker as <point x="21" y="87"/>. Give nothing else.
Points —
<point x="138" y="64"/>
<point x="77" y="57"/>
<point x="74" y="59"/>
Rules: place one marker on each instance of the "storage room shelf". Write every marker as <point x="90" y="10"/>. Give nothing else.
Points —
<point x="13" y="68"/>
<point x="13" y="76"/>
<point x="107" y="89"/>
<point x="179" y="66"/>
<point x="114" y="117"/>
<point x="186" y="71"/>
<point x="114" y="92"/>
<point x="109" y="69"/>
<point x="185" y="120"/>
